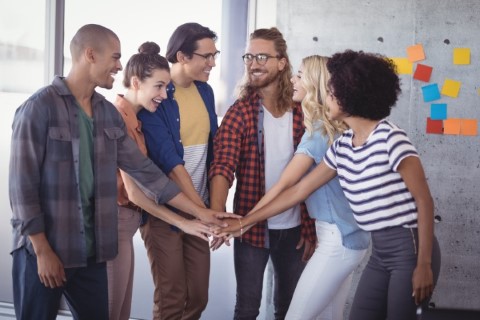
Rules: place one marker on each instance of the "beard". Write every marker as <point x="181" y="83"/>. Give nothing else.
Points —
<point x="259" y="83"/>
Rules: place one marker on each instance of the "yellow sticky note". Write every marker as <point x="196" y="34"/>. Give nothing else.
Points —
<point x="451" y="88"/>
<point x="415" y="53"/>
<point x="451" y="126"/>
<point x="469" y="127"/>
<point x="404" y="66"/>
<point x="461" y="56"/>
<point x="478" y="91"/>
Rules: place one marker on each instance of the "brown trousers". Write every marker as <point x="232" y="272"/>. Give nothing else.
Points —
<point x="180" y="266"/>
<point x="120" y="270"/>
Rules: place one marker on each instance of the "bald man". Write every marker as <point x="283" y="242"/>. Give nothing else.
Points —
<point x="67" y="143"/>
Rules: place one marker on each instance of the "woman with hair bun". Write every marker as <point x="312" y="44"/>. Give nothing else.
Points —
<point x="146" y="77"/>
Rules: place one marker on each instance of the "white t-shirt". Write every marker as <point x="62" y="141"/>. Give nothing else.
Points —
<point x="278" y="143"/>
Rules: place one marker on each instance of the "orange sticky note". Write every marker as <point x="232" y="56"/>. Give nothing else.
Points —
<point x="469" y="127"/>
<point x="451" y="126"/>
<point x="434" y="126"/>
<point x="451" y="88"/>
<point x="404" y="66"/>
<point x="461" y="56"/>
<point x="415" y="53"/>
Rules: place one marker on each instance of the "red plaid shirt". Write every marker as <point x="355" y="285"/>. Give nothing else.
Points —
<point x="237" y="151"/>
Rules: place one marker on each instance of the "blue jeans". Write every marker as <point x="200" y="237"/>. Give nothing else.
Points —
<point x="86" y="290"/>
<point x="250" y="263"/>
<point x="385" y="287"/>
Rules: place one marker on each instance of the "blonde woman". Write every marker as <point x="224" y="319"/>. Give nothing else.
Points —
<point x="325" y="282"/>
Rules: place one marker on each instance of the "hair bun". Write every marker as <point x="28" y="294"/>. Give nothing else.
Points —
<point x="149" y="48"/>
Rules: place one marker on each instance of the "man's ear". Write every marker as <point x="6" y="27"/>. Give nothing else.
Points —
<point x="181" y="57"/>
<point x="282" y="63"/>
<point x="89" y="54"/>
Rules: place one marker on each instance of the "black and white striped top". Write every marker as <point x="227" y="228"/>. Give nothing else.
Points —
<point x="368" y="175"/>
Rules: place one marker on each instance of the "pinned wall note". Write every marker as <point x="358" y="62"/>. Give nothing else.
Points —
<point x="404" y="66"/>
<point x="461" y="56"/>
<point x="452" y="126"/>
<point x="434" y="126"/>
<point x="430" y="92"/>
<point x="415" y="53"/>
<point x="423" y="72"/>
<point x="438" y="111"/>
<point x="451" y="88"/>
<point x="469" y="127"/>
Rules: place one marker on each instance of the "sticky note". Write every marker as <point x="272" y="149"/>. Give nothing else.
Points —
<point x="478" y="91"/>
<point x="423" y="72"/>
<point x="415" y="53"/>
<point x="430" y="92"/>
<point x="404" y="66"/>
<point x="469" y="127"/>
<point x="461" y="56"/>
<point x="438" y="111"/>
<point x="451" y="88"/>
<point x="452" y="126"/>
<point x="434" y="126"/>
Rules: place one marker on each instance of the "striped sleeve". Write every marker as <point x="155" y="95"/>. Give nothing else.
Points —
<point x="331" y="155"/>
<point x="399" y="147"/>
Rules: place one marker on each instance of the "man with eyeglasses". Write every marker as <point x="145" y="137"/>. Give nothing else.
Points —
<point x="254" y="143"/>
<point x="179" y="139"/>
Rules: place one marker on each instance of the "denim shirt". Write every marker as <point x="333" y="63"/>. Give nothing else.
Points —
<point x="162" y="129"/>
<point x="44" y="174"/>
<point x="328" y="203"/>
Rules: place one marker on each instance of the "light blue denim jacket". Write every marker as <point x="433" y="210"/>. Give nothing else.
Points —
<point x="328" y="203"/>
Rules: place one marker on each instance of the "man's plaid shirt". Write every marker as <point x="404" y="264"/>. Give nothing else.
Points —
<point x="237" y="151"/>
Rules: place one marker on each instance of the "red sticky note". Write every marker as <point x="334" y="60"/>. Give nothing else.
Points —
<point x="423" y="72"/>
<point x="452" y="126"/>
<point x="469" y="127"/>
<point x="434" y="126"/>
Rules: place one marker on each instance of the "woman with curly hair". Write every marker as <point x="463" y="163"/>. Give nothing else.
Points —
<point x="325" y="282"/>
<point x="384" y="181"/>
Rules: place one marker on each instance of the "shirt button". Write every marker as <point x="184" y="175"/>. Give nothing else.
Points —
<point x="178" y="119"/>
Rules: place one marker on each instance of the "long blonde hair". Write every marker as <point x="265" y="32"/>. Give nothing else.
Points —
<point x="315" y="78"/>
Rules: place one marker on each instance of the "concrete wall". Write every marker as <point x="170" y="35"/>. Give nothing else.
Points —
<point x="451" y="162"/>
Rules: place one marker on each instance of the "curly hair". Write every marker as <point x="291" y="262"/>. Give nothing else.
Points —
<point x="143" y="63"/>
<point x="284" y="100"/>
<point x="365" y="84"/>
<point x="315" y="78"/>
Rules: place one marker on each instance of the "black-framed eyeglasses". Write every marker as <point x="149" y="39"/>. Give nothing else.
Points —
<point x="261" y="58"/>
<point x="208" y="56"/>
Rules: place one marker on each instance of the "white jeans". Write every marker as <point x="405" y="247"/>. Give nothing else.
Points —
<point x="325" y="282"/>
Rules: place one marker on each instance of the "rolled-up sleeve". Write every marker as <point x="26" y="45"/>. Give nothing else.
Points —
<point x="153" y="181"/>
<point x="227" y="146"/>
<point x="29" y="134"/>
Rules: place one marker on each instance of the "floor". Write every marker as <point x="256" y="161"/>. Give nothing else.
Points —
<point x="439" y="314"/>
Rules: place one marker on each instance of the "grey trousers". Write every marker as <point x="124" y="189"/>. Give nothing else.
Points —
<point x="385" y="287"/>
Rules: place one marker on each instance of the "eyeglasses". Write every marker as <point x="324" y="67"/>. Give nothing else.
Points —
<point x="261" y="58"/>
<point x="208" y="56"/>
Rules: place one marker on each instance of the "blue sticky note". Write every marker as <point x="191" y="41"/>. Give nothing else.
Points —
<point x="430" y="92"/>
<point x="438" y="111"/>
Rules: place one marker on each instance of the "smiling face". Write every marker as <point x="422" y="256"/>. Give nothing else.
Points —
<point x="261" y="76"/>
<point x="107" y="63"/>
<point x="152" y="90"/>
<point x="197" y="67"/>
<point x="299" y="91"/>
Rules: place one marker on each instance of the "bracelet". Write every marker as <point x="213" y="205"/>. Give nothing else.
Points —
<point x="241" y="228"/>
